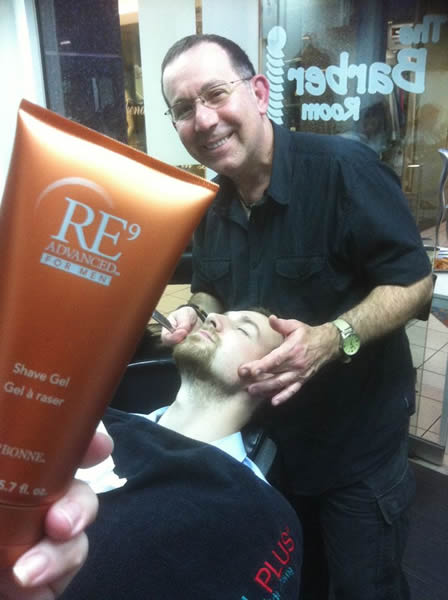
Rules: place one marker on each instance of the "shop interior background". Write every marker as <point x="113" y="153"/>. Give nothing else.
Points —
<point x="372" y="70"/>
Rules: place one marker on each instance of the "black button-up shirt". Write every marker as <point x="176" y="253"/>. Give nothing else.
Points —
<point x="334" y="224"/>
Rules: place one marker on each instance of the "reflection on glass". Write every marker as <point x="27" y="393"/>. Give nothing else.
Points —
<point x="374" y="72"/>
<point x="132" y="69"/>
<point x="83" y="72"/>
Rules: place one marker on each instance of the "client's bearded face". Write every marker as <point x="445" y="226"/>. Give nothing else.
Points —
<point x="194" y="357"/>
<point x="214" y="352"/>
<point x="197" y="358"/>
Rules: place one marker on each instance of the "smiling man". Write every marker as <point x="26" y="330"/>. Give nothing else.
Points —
<point x="235" y="137"/>
<point x="184" y="513"/>
<point x="318" y="229"/>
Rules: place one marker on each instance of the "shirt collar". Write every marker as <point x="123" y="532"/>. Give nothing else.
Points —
<point x="279" y="187"/>
<point x="231" y="444"/>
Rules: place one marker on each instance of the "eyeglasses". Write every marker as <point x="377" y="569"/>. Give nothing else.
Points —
<point x="212" y="97"/>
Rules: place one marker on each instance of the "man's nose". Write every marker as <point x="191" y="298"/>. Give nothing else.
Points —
<point x="204" y="117"/>
<point x="215" y="321"/>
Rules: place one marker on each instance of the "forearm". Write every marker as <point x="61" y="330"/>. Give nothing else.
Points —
<point x="307" y="348"/>
<point x="387" y="308"/>
<point x="207" y="302"/>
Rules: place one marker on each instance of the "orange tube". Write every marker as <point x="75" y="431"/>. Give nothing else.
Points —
<point x="90" y="232"/>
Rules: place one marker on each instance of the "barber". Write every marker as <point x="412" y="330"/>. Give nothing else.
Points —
<point x="317" y="229"/>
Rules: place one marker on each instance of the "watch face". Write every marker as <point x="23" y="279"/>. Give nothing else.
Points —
<point x="351" y="344"/>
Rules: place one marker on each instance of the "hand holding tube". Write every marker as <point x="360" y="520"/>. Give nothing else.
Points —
<point x="45" y="570"/>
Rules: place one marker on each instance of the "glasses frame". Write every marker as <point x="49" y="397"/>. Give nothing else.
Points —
<point x="200" y="97"/>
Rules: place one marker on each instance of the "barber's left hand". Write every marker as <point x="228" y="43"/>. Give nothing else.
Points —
<point x="281" y="373"/>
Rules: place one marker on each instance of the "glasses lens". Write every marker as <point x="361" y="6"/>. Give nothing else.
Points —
<point x="182" y="111"/>
<point x="216" y="95"/>
<point x="213" y="97"/>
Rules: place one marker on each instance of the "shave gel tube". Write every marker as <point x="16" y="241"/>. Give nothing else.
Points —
<point x="90" y="232"/>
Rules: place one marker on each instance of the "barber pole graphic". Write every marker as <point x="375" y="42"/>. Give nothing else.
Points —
<point x="275" y="72"/>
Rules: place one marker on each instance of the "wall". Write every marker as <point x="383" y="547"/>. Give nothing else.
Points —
<point x="158" y="31"/>
<point x="235" y="19"/>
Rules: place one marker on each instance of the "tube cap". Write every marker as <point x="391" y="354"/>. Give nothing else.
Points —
<point x="20" y="528"/>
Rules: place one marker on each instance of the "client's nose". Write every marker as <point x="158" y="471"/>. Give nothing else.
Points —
<point x="214" y="320"/>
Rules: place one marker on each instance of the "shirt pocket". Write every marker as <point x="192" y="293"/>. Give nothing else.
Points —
<point x="300" y="268"/>
<point x="215" y="269"/>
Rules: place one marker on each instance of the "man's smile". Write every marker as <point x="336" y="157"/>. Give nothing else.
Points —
<point x="218" y="143"/>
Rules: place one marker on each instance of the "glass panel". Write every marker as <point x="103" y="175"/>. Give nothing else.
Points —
<point x="133" y="82"/>
<point x="372" y="71"/>
<point x="82" y="62"/>
<point x="93" y="68"/>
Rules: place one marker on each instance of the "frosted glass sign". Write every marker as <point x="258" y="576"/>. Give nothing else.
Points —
<point x="375" y="72"/>
<point x="347" y="76"/>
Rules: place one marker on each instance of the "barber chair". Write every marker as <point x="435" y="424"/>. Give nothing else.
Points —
<point x="151" y="381"/>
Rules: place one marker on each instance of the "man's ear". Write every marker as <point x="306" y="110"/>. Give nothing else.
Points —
<point x="260" y="86"/>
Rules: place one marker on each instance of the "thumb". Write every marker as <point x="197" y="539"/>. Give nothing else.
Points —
<point x="283" y="326"/>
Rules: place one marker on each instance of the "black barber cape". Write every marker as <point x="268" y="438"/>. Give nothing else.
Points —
<point x="190" y="523"/>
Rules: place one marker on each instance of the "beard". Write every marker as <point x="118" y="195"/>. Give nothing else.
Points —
<point x="194" y="357"/>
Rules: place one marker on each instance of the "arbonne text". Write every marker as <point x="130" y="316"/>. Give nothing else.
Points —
<point x="22" y="453"/>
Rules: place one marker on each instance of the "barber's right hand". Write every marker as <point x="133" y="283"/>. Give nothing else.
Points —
<point x="45" y="570"/>
<point x="184" y="320"/>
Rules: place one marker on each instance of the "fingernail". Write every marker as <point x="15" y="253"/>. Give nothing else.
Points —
<point x="29" y="568"/>
<point x="258" y="372"/>
<point x="71" y="513"/>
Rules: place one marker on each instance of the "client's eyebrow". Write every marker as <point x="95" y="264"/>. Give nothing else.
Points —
<point x="248" y="321"/>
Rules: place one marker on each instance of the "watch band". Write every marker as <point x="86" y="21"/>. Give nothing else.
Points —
<point x="349" y="341"/>
<point x="344" y="327"/>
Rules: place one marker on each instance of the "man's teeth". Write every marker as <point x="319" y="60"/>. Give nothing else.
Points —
<point x="218" y="143"/>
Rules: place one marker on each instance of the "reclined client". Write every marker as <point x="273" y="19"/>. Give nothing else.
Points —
<point x="184" y="513"/>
